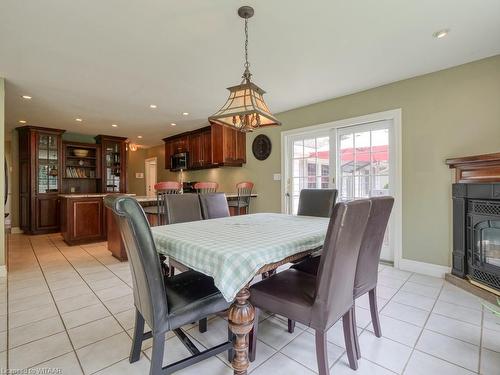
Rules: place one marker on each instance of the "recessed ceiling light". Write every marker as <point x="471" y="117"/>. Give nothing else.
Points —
<point x="114" y="125"/>
<point x="153" y="106"/>
<point x="78" y="119"/>
<point x="185" y="113"/>
<point x="26" y="97"/>
<point x="22" y="121"/>
<point x="173" y="123"/>
<point x="139" y="136"/>
<point x="441" y="33"/>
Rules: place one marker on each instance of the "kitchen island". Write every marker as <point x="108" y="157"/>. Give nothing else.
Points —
<point x="83" y="218"/>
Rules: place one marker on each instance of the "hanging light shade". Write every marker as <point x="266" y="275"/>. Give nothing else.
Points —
<point x="245" y="109"/>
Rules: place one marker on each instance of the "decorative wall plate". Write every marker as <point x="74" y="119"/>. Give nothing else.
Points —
<point x="261" y="147"/>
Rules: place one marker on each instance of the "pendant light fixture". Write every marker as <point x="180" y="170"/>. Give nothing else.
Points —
<point x="245" y="108"/>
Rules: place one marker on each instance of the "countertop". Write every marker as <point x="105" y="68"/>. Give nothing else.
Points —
<point x="92" y="195"/>
<point x="139" y="198"/>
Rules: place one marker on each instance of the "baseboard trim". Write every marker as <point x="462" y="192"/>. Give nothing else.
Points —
<point x="423" y="268"/>
<point x="3" y="271"/>
<point x="16" y="230"/>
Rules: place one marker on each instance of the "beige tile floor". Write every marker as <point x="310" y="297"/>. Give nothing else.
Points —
<point x="72" y="308"/>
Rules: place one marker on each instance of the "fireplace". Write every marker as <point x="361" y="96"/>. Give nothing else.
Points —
<point x="476" y="219"/>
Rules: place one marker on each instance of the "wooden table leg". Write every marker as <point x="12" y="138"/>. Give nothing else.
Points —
<point x="241" y="316"/>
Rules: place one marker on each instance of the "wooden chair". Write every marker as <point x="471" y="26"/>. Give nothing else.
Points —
<point x="244" y="190"/>
<point x="206" y="187"/>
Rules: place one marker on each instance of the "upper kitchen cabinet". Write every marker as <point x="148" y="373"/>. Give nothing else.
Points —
<point x="228" y="146"/>
<point x="40" y="167"/>
<point x="114" y="164"/>
<point x="209" y="147"/>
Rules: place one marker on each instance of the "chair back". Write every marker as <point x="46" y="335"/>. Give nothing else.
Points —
<point x="148" y="285"/>
<point x="316" y="202"/>
<point x="337" y="267"/>
<point x="168" y="187"/>
<point x="244" y="190"/>
<point x="162" y="189"/>
<point x="181" y="208"/>
<point x="214" y="205"/>
<point x="206" y="187"/>
<point x="371" y="245"/>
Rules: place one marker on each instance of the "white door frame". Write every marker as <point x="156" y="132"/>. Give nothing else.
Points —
<point x="393" y="115"/>
<point x="146" y="170"/>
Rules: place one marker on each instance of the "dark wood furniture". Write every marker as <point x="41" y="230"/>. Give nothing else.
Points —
<point x="478" y="168"/>
<point x="81" y="174"/>
<point x="115" y="243"/>
<point x="83" y="219"/>
<point x="476" y="220"/>
<point x="40" y="168"/>
<point x="209" y="147"/>
<point x="114" y="164"/>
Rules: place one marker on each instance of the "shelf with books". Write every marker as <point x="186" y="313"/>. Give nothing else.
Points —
<point x="81" y="167"/>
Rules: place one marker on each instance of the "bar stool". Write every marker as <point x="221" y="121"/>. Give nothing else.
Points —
<point x="162" y="189"/>
<point x="244" y="190"/>
<point x="206" y="187"/>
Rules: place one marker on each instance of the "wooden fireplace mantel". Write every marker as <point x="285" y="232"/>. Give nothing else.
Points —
<point x="478" y="168"/>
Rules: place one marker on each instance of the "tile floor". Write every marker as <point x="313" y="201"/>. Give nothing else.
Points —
<point x="72" y="308"/>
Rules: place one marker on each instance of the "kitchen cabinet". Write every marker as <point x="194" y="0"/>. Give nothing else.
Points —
<point x="83" y="218"/>
<point x="200" y="148"/>
<point x="114" y="164"/>
<point x="229" y="146"/>
<point x="209" y="147"/>
<point x="39" y="178"/>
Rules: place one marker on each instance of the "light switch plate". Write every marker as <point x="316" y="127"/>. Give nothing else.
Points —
<point x="139" y="175"/>
<point x="277" y="176"/>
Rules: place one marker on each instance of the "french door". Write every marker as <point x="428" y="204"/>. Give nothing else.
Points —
<point x="358" y="161"/>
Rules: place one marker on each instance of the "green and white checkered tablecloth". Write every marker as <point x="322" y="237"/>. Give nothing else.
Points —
<point x="233" y="249"/>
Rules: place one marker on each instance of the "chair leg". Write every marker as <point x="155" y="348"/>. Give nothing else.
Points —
<point x="355" y="333"/>
<point x="372" y="294"/>
<point x="135" y="350"/>
<point x="157" y="354"/>
<point x="202" y="326"/>
<point x="252" y="337"/>
<point x="171" y="271"/>
<point x="322" y="353"/>
<point x="291" y="325"/>
<point x="230" y="352"/>
<point x="349" y="340"/>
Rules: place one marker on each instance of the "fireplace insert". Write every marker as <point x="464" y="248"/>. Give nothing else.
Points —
<point x="484" y="245"/>
<point x="476" y="233"/>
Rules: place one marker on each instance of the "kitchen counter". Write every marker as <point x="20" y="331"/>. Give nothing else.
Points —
<point x="92" y="195"/>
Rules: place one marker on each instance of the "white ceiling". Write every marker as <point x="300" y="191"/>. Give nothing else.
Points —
<point x="107" y="61"/>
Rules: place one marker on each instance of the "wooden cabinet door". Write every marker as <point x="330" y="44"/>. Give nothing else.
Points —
<point x="87" y="219"/>
<point x="229" y="145"/>
<point x="195" y="151"/>
<point x="241" y="147"/>
<point x="47" y="212"/>
<point x="206" y="147"/>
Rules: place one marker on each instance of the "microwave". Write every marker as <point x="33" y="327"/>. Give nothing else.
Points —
<point x="179" y="161"/>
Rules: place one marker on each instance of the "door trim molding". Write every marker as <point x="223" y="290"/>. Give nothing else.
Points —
<point x="395" y="116"/>
<point x="146" y="173"/>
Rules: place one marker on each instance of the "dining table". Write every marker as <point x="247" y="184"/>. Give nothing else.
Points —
<point x="233" y="250"/>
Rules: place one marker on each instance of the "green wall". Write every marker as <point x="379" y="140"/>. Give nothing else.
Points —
<point x="454" y="112"/>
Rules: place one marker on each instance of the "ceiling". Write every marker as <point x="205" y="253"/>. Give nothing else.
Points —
<point x="107" y="61"/>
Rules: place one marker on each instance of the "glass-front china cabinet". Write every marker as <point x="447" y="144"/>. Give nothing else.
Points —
<point x="39" y="178"/>
<point x="113" y="164"/>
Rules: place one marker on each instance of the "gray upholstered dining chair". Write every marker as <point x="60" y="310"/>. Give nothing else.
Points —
<point x="214" y="205"/>
<point x="165" y="304"/>
<point x="368" y="260"/>
<point x="316" y="202"/>
<point x="319" y="301"/>
<point x="158" y="212"/>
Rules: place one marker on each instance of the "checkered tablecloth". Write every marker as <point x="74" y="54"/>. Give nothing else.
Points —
<point x="233" y="249"/>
